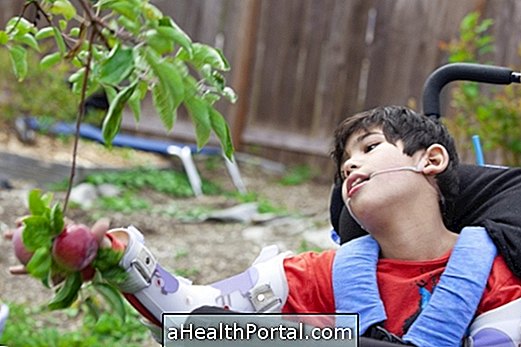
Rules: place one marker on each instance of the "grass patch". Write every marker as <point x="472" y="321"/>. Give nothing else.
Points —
<point x="297" y="175"/>
<point x="265" y="205"/>
<point x="306" y="247"/>
<point x="126" y="203"/>
<point x="169" y="182"/>
<point x="182" y="213"/>
<point x="35" y="327"/>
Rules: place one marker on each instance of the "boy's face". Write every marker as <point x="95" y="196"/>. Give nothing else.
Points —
<point x="368" y="152"/>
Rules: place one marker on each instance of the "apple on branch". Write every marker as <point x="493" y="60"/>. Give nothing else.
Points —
<point x="75" y="247"/>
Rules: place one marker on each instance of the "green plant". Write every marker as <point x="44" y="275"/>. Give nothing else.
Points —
<point x="304" y="246"/>
<point x="187" y="272"/>
<point x="264" y="205"/>
<point x="127" y="203"/>
<point x="42" y="231"/>
<point x="36" y="327"/>
<point x="44" y="93"/>
<point x="127" y="48"/>
<point x="170" y="182"/>
<point x="297" y="175"/>
<point x="490" y="112"/>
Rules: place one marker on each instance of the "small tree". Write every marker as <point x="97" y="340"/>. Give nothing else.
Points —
<point x="490" y="112"/>
<point x="127" y="48"/>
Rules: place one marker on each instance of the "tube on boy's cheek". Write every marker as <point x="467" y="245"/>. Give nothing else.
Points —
<point x="416" y="169"/>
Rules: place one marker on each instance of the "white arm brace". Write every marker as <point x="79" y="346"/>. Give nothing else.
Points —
<point x="498" y="327"/>
<point x="152" y="290"/>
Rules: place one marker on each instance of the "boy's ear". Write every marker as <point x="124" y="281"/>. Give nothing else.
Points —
<point x="436" y="159"/>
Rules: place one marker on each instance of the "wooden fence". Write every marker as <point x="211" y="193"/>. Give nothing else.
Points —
<point x="301" y="66"/>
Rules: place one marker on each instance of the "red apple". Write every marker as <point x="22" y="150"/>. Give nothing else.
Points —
<point x="20" y="251"/>
<point x="75" y="248"/>
<point x="88" y="273"/>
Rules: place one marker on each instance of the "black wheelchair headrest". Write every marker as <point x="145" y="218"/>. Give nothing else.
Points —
<point x="489" y="197"/>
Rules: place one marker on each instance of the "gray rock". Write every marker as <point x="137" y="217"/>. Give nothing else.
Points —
<point x="320" y="238"/>
<point x="108" y="190"/>
<point x="241" y="213"/>
<point x="84" y="194"/>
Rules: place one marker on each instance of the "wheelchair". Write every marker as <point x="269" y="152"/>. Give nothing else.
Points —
<point x="489" y="195"/>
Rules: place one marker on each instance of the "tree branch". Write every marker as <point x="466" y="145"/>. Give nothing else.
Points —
<point x="79" y="119"/>
<point x="26" y="5"/>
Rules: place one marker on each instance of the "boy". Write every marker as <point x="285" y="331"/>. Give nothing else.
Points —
<point x="398" y="173"/>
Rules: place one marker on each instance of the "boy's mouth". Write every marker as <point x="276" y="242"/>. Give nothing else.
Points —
<point x="355" y="182"/>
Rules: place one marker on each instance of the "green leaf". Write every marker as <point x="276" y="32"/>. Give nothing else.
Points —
<point x="18" y="26"/>
<point x="92" y="308"/>
<point x="230" y="94"/>
<point x="62" y="24"/>
<point x="151" y="12"/>
<point x="40" y="264"/>
<point x="176" y="35"/>
<point x="111" y="93"/>
<point x="51" y="60"/>
<point x="221" y="129"/>
<point x="130" y="25"/>
<point x="37" y="204"/>
<point x="159" y="43"/>
<point x="107" y="258"/>
<point x="44" y="33"/>
<point x="164" y="105"/>
<point x="198" y="110"/>
<point x="129" y="9"/>
<point x="118" y="65"/>
<point x="204" y="54"/>
<point x="59" y="40"/>
<point x="113" y="298"/>
<point x="37" y="233"/>
<point x="4" y="38"/>
<point x="67" y="293"/>
<point x="64" y="8"/>
<point x="134" y="102"/>
<point x="57" y="223"/>
<point x="18" y="56"/>
<point x="75" y="32"/>
<point x="181" y="38"/>
<point x="112" y="121"/>
<point x="168" y="94"/>
<point x="29" y="40"/>
<point x="77" y="76"/>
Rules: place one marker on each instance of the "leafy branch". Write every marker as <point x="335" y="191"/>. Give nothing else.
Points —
<point x="127" y="48"/>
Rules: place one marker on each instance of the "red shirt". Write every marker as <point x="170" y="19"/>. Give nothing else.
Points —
<point x="403" y="286"/>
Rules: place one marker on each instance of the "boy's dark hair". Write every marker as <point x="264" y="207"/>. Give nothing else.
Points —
<point x="415" y="130"/>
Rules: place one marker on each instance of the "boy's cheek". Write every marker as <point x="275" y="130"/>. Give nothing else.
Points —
<point x="344" y="191"/>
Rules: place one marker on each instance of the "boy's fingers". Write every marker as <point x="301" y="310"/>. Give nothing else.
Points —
<point x="8" y="234"/>
<point x="100" y="228"/>
<point x="18" y="270"/>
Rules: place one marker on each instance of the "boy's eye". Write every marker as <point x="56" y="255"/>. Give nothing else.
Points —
<point x="371" y="146"/>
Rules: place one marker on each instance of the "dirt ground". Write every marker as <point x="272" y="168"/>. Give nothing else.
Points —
<point x="203" y="251"/>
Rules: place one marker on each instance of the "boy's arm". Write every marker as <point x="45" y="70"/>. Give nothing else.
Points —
<point x="152" y="290"/>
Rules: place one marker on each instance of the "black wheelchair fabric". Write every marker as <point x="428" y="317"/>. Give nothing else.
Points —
<point x="489" y="197"/>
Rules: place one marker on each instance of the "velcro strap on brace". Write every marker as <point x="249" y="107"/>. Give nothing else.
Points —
<point x="138" y="261"/>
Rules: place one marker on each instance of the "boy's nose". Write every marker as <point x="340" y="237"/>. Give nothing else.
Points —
<point x="349" y="166"/>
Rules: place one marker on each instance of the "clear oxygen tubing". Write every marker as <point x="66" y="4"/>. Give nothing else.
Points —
<point x="416" y="169"/>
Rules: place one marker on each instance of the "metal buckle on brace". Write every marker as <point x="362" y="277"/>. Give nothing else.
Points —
<point x="262" y="298"/>
<point x="145" y="264"/>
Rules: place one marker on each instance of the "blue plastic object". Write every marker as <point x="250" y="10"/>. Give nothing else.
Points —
<point x="180" y="150"/>
<point x="480" y="159"/>
<point x="93" y="133"/>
